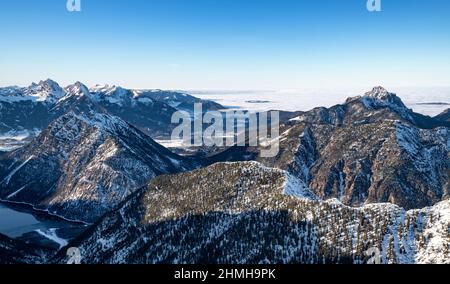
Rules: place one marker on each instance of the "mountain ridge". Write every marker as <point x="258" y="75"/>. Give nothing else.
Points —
<point x="84" y="162"/>
<point x="246" y="215"/>
<point x="33" y="108"/>
<point x="363" y="152"/>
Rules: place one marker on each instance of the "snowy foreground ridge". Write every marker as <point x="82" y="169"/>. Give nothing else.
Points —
<point x="249" y="213"/>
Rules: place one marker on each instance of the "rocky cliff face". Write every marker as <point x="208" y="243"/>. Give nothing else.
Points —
<point x="388" y="161"/>
<point x="248" y="213"/>
<point x="371" y="149"/>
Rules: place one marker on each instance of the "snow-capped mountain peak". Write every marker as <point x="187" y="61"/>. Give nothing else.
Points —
<point x="90" y="160"/>
<point x="378" y="93"/>
<point x="47" y="90"/>
<point x="77" y="89"/>
<point x="112" y="94"/>
<point x="49" y="83"/>
<point x="108" y="90"/>
<point x="380" y="97"/>
<point x="112" y="91"/>
<point x="102" y="121"/>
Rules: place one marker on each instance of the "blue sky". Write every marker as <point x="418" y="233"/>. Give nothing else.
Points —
<point x="226" y="44"/>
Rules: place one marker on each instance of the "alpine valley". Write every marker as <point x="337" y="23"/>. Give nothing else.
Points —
<point x="368" y="175"/>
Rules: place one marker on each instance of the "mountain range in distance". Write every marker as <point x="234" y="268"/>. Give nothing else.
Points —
<point x="368" y="173"/>
<point x="32" y="108"/>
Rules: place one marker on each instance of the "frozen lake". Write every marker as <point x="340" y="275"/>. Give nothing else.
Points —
<point x="38" y="228"/>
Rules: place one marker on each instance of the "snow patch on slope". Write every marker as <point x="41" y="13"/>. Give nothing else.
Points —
<point x="16" y="192"/>
<point x="51" y="235"/>
<point x="437" y="234"/>
<point x="297" y="188"/>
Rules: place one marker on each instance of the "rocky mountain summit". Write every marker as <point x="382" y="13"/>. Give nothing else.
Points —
<point x="376" y="105"/>
<point x="83" y="164"/>
<point x="370" y="149"/>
